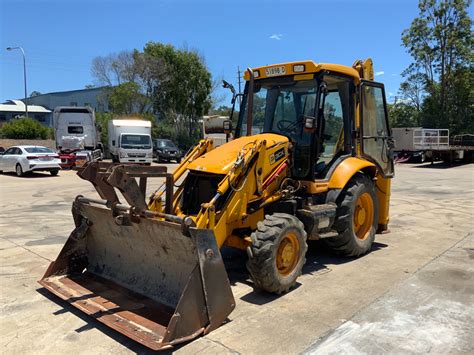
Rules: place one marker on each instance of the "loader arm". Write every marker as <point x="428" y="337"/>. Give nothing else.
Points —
<point x="155" y="202"/>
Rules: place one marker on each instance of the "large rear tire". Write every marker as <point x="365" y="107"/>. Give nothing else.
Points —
<point x="277" y="254"/>
<point x="356" y="218"/>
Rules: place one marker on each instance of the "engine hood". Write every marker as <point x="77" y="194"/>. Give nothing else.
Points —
<point x="221" y="159"/>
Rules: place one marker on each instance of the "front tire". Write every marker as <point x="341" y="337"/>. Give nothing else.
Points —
<point x="19" y="170"/>
<point x="277" y="254"/>
<point x="356" y="218"/>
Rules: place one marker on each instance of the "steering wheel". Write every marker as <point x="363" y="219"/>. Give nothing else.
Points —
<point x="287" y="126"/>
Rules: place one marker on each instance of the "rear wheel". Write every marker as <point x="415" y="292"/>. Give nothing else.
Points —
<point x="19" y="170"/>
<point x="277" y="254"/>
<point x="54" y="172"/>
<point x="356" y="218"/>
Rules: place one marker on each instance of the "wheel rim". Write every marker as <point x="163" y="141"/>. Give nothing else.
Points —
<point x="363" y="216"/>
<point x="287" y="254"/>
<point x="18" y="170"/>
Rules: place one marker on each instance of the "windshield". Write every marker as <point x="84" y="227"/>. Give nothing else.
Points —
<point x="38" y="150"/>
<point x="75" y="130"/>
<point x="135" y="141"/>
<point x="166" y="144"/>
<point x="279" y="106"/>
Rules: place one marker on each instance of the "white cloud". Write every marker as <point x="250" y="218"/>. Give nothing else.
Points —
<point x="276" y="36"/>
<point x="379" y="73"/>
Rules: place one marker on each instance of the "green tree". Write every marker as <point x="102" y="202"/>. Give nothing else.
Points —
<point x="181" y="89"/>
<point x="440" y="42"/>
<point x="25" y="128"/>
<point x="127" y="98"/>
<point x="402" y="114"/>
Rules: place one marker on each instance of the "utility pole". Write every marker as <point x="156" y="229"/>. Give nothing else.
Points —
<point x="239" y="77"/>
<point x="24" y="76"/>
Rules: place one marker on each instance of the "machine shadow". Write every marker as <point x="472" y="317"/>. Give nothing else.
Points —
<point x="440" y="165"/>
<point x="318" y="261"/>
<point x="91" y="323"/>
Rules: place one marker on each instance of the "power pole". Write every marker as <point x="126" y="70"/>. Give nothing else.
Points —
<point x="239" y="77"/>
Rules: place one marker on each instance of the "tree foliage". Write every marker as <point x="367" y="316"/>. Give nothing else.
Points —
<point x="172" y="84"/>
<point x="25" y="128"/>
<point x="127" y="98"/>
<point x="438" y="83"/>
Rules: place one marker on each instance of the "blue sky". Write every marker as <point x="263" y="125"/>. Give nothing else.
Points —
<point x="62" y="37"/>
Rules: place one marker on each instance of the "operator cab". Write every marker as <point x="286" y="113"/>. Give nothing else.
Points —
<point x="281" y="105"/>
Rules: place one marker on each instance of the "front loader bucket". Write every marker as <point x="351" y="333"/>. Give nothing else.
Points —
<point x="151" y="280"/>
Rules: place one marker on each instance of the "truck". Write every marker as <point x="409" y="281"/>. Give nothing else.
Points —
<point x="417" y="145"/>
<point x="404" y="149"/>
<point x="129" y="141"/>
<point x="213" y="128"/>
<point x="77" y="137"/>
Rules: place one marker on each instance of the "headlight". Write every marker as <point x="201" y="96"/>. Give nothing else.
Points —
<point x="123" y="155"/>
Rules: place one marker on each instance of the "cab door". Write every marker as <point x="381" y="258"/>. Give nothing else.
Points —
<point x="376" y="142"/>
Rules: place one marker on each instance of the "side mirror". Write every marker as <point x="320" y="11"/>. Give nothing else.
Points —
<point x="227" y="126"/>
<point x="309" y="123"/>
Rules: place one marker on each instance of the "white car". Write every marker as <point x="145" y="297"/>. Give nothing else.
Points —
<point x="27" y="158"/>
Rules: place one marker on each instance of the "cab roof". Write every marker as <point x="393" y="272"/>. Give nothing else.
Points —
<point x="302" y="67"/>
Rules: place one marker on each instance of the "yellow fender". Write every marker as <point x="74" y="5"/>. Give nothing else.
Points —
<point x="347" y="169"/>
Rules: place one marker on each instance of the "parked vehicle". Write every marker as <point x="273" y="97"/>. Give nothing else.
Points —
<point x="166" y="150"/>
<point x="213" y="128"/>
<point x="28" y="158"/>
<point x="416" y="144"/>
<point x="130" y="141"/>
<point x="75" y="131"/>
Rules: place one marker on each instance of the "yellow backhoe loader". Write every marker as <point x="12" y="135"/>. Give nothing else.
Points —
<point x="310" y="159"/>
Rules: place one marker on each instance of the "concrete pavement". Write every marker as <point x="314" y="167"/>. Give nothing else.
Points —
<point x="431" y="212"/>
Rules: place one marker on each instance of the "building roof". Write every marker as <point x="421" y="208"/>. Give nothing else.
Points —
<point x="99" y="88"/>
<point x="19" y="106"/>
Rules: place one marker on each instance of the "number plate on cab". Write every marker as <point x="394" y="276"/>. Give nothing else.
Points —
<point x="275" y="71"/>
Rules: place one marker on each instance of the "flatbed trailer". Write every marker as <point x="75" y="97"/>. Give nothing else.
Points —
<point x="436" y="144"/>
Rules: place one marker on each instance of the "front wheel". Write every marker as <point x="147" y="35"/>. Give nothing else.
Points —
<point x="19" y="170"/>
<point x="277" y="254"/>
<point x="356" y="218"/>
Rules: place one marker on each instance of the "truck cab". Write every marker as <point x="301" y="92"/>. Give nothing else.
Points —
<point x="75" y="125"/>
<point x="130" y="141"/>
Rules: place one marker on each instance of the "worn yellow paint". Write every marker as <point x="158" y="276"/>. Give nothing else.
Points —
<point x="310" y="67"/>
<point x="303" y="77"/>
<point x="220" y="160"/>
<point x="315" y="187"/>
<point x="346" y="170"/>
<point x="383" y="197"/>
